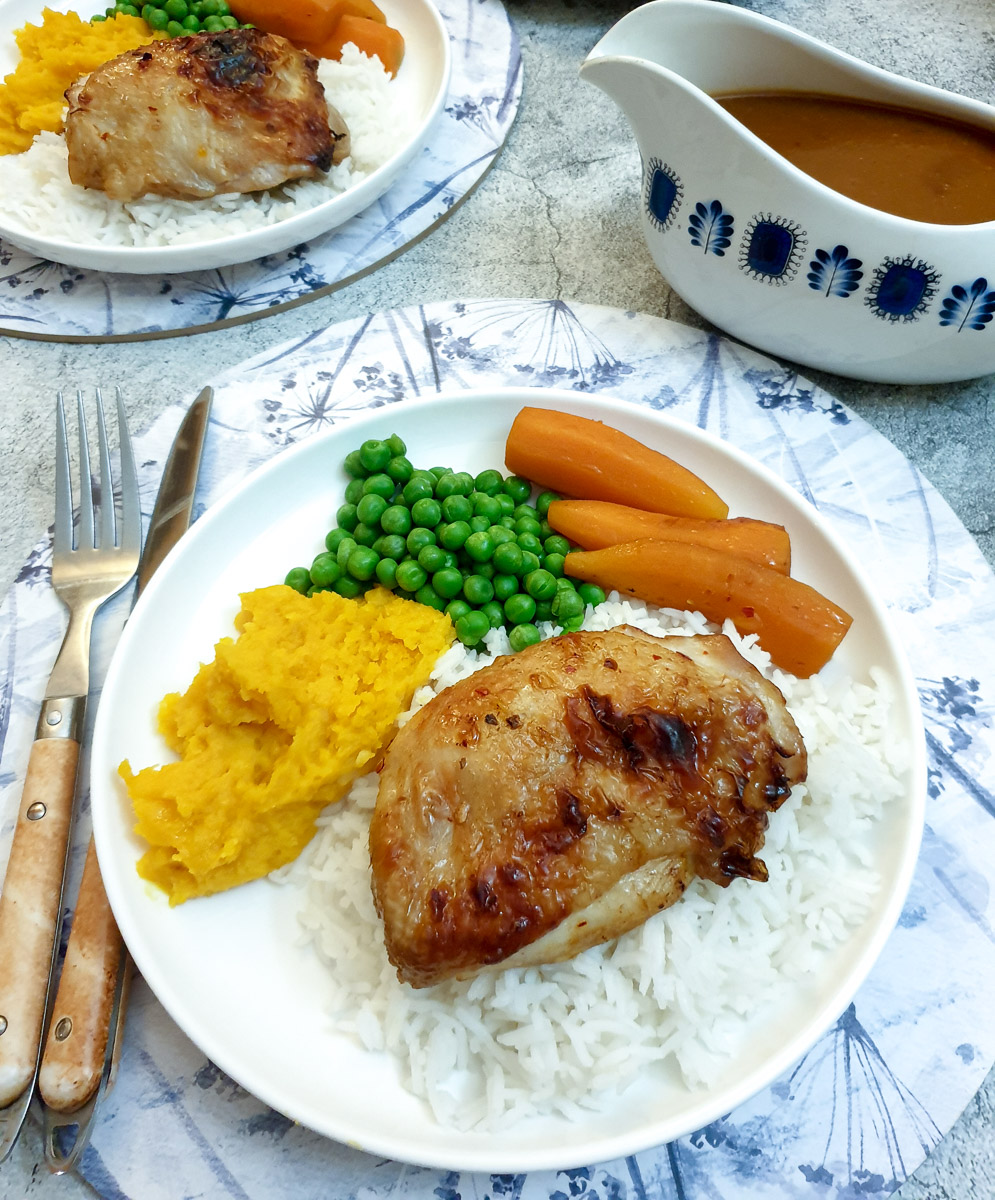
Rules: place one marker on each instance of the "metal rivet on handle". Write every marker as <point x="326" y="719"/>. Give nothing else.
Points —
<point x="36" y="811"/>
<point x="54" y="718"/>
<point x="63" y="1029"/>
<point x="3" y="1026"/>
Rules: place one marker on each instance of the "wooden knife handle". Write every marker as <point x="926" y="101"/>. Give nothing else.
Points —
<point x="73" y="1059"/>
<point x="29" y="908"/>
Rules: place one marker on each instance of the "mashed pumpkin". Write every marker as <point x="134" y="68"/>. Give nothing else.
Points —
<point x="275" y="728"/>
<point x="54" y="55"/>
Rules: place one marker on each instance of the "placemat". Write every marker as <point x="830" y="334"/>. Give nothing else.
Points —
<point x="48" y="301"/>
<point x="862" y="1109"/>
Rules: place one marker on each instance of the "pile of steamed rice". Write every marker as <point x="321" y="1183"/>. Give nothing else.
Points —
<point x="677" y="990"/>
<point x="37" y="196"/>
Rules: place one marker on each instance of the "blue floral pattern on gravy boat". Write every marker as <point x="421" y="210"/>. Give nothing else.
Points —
<point x="664" y="193"/>
<point x="858" y="1113"/>
<point x="968" y="306"/>
<point x="834" y="272"/>
<point x="902" y="289"/>
<point x="772" y="248"/>
<point x="710" y="227"/>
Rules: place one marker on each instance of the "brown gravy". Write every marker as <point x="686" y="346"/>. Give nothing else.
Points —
<point x="899" y="160"/>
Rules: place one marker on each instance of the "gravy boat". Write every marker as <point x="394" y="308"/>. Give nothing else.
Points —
<point x="764" y="251"/>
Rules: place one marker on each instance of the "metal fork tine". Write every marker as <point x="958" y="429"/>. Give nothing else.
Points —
<point x="63" y="543"/>
<point x="85" y="539"/>
<point x="107" y="522"/>
<point x="131" y="512"/>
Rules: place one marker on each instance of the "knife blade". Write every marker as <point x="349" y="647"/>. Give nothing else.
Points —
<point x="81" y="1050"/>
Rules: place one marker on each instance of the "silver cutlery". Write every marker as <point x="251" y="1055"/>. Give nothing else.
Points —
<point x="87" y="570"/>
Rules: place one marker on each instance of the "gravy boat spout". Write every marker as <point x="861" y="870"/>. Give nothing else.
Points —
<point x="765" y="251"/>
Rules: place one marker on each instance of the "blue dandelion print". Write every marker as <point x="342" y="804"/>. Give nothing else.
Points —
<point x="902" y="289"/>
<point x="710" y="227"/>
<point x="834" y="272"/>
<point x="968" y="306"/>
<point x="771" y="249"/>
<point x="664" y="194"/>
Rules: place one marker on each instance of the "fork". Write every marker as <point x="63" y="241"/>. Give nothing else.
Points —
<point x="84" y="576"/>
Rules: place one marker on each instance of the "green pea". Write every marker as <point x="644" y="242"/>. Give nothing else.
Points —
<point x="128" y="10"/>
<point x="465" y="480"/>
<point x="365" y="534"/>
<point x="391" y="545"/>
<point x="530" y="562"/>
<point x="529" y="543"/>
<point x="299" y="578"/>
<point x="501" y="535"/>
<point x="396" y="519"/>
<point x="343" y="550"/>
<point x="478" y="590"/>
<point x="373" y="453"/>
<point x="540" y="584"/>
<point x="517" y="488"/>
<point x="348" y="587"/>
<point x="191" y="23"/>
<point x="471" y="627"/>
<point x="432" y="558"/>
<point x="438" y="472"/>
<point x="175" y="29"/>
<point x="485" y="568"/>
<point x="447" y="485"/>
<point x="333" y="537"/>
<point x="427" y="594"/>
<point x="479" y="524"/>
<point x="504" y="586"/>
<point x="352" y="463"/>
<point x="98" y="17"/>
<point x="479" y="546"/>
<point x="417" y="488"/>
<point x="486" y="506"/>
<point x="489" y="482"/>
<point x="556" y="545"/>
<point x="452" y="559"/>
<point x="410" y="576"/>
<point x="567" y="605"/>
<point x="591" y="594"/>
<point x="543" y="501"/>
<point x="456" y="508"/>
<point x="346" y="517"/>
<point x="508" y="558"/>
<point x="354" y="488"/>
<point x="553" y="563"/>
<point x="544" y="611"/>
<point x="379" y="485"/>
<point x="396" y="443"/>
<point x="454" y="535"/>
<point x="507" y="504"/>
<point x="519" y="608"/>
<point x="447" y="581"/>
<point x="209" y="8"/>
<point x="371" y="508"/>
<point x="524" y="635"/>
<point x="418" y="538"/>
<point x="324" y="570"/>
<point x="456" y="609"/>
<point x="229" y="22"/>
<point x="399" y="469"/>
<point x="157" y="20"/>
<point x="525" y="511"/>
<point x="176" y="9"/>
<point x="494" y="612"/>
<point x="362" y="563"/>
<point x="426" y="512"/>
<point x="387" y="572"/>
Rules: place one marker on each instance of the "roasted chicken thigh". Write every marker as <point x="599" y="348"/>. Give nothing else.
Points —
<point x="192" y="117"/>
<point x="562" y="795"/>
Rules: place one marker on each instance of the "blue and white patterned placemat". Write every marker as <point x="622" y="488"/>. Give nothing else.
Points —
<point x="879" y="1090"/>
<point x="41" y="299"/>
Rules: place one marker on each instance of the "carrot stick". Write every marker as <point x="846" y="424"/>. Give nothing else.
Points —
<point x="306" y="23"/>
<point x="375" y="39"/>
<point x="797" y="626"/>
<point x="595" y="524"/>
<point x="584" y="458"/>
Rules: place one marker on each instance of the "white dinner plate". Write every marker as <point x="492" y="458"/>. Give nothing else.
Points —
<point x="227" y="968"/>
<point x="420" y="91"/>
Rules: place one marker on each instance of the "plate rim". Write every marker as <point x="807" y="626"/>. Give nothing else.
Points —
<point x="831" y="1005"/>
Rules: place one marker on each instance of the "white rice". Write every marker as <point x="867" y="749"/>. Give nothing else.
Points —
<point x="37" y="196"/>
<point x="679" y="989"/>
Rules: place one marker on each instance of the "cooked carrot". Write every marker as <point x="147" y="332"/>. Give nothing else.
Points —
<point x="588" y="460"/>
<point x="306" y="23"/>
<point x="797" y="626"/>
<point x="376" y="40"/>
<point x="595" y="524"/>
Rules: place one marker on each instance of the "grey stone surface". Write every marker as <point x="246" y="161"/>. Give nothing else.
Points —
<point x="555" y="218"/>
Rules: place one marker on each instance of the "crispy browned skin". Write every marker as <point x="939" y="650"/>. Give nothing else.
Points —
<point x="561" y="796"/>
<point x="191" y="117"/>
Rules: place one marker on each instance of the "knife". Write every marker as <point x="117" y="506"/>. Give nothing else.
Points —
<point x="81" y="1051"/>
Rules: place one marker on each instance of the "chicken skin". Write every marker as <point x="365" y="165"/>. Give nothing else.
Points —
<point x="557" y="798"/>
<point x="193" y="117"/>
